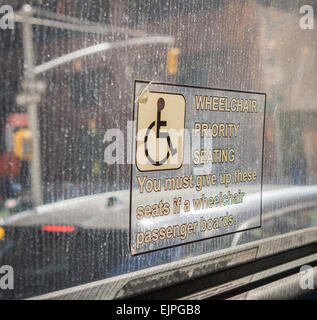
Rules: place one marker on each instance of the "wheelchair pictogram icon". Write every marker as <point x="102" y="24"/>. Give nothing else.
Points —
<point x="160" y="132"/>
<point x="159" y="135"/>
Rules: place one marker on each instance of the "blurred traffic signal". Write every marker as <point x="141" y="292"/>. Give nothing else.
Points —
<point x="172" y="60"/>
<point x="23" y="144"/>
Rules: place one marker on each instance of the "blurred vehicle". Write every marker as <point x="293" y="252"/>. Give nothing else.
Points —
<point x="76" y="241"/>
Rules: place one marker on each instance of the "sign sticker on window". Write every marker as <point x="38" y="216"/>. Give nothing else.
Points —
<point x="197" y="164"/>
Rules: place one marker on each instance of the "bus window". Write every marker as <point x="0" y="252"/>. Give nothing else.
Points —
<point x="153" y="134"/>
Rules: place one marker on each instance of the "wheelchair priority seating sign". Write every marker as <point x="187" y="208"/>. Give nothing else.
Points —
<point x="196" y="172"/>
<point x="160" y="131"/>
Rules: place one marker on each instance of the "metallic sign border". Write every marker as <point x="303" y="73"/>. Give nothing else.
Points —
<point x="132" y="155"/>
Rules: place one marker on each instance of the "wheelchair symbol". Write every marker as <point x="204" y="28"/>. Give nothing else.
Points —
<point x="159" y="135"/>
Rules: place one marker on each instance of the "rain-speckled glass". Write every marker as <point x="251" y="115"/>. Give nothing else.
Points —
<point x="68" y="72"/>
